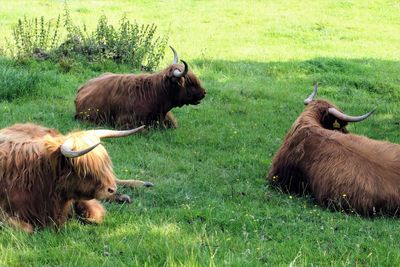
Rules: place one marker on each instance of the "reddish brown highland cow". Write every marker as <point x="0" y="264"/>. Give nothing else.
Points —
<point x="340" y="170"/>
<point x="128" y="100"/>
<point x="44" y="174"/>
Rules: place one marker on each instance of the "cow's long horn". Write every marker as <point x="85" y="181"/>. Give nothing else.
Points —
<point x="178" y="73"/>
<point x="114" y="133"/>
<point x="313" y="94"/>
<point x="344" y="117"/>
<point x="175" y="61"/>
<point x="67" y="151"/>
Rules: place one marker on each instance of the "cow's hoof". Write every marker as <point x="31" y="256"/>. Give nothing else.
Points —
<point x="148" y="184"/>
<point x="123" y="199"/>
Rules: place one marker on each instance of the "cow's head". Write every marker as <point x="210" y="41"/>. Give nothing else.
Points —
<point x="88" y="166"/>
<point x="329" y="116"/>
<point x="188" y="86"/>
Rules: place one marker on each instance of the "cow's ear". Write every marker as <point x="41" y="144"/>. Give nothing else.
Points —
<point x="178" y="75"/>
<point x="330" y="122"/>
<point x="52" y="144"/>
<point x="181" y="81"/>
<point x="177" y="80"/>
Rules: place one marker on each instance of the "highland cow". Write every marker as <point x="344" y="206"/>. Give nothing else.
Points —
<point x="340" y="170"/>
<point x="127" y="100"/>
<point x="44" y="174"/>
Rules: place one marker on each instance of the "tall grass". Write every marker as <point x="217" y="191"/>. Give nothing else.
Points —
<point x="16" y="82"/>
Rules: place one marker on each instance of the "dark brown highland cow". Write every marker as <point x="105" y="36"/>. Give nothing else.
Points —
<point x="340" y="170"/>
<point x="128" y="100"/>
<point x="43" y="174"/>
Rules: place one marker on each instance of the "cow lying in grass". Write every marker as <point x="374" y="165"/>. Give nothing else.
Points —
<point x="127" y="100"/>
<point x="340" y="170"/>
<point x="44" y="175"/>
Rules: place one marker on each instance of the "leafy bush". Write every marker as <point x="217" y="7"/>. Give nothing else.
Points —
<point x="130" y="43"/>
<point x="35" y="36"/>
<point x="17" y="82"/>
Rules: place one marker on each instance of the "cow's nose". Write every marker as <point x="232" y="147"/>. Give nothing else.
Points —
<point x="112" y="190"/>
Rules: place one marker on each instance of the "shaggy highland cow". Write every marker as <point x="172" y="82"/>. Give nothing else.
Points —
<point x="340" y="170"/>
<point x="127" y="100"/>
<point x="44" y="174"/>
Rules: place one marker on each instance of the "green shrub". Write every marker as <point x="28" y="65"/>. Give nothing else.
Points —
<point x="130" y="43"/>
<point x="34" y="37"/>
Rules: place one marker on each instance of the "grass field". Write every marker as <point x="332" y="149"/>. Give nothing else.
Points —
<point x="211" y="206"/>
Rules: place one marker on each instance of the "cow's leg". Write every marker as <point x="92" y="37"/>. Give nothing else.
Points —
<point x="170" y="121"/>
<point x="122" y="198"/>
<point x="133" y="183"/>
<point x="90" y="211"/>
<point x="125" y="122"/>
<point x="16" y="223"/>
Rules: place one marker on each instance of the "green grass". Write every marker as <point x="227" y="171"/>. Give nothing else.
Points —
<point x="211" y="205"/>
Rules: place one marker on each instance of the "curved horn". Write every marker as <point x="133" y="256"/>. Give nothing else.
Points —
<point x="67" y="151"/>
<point x="344" y="117"/>
<point x="178" y="73"/>
<point x="175" y="61"/>
<point x="114" y="133"/>
<point x="313" y="94"/>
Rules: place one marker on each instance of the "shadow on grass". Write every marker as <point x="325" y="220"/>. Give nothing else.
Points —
<point x="369" y="75"/>
<point x="355" y="85"/>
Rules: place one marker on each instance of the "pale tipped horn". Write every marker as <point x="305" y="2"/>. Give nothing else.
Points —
<point x="115" y="133"/>
<point x="344" y="117"/>
<point x="313" y="94"/>
<point x="178" y="73"/>
<point x="67" y="151"/>
<point x="176" y="58"/>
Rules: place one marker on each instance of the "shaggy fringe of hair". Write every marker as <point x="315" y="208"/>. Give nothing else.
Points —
<point x="97" y="162"/>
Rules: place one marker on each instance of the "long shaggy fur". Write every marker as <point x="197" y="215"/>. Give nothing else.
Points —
<point x="38" y="185"/>
<point x="129" y="100"/>
<point x="340" y="170"/>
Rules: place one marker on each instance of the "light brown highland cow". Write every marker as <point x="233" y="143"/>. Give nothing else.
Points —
<point x="44" y="174"/>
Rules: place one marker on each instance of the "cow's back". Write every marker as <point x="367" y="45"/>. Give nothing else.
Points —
<point x="345" y="166"/>
<point x="113" y="99"/>
<point x="93" y="97"/>
<point x="25" y="132"/>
